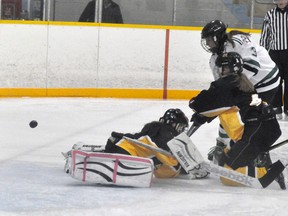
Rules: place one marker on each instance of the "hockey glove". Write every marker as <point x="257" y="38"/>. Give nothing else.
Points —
<point x="117" y="135"/>
<point x="199" y="119"/>
<point x="114" y="138"/>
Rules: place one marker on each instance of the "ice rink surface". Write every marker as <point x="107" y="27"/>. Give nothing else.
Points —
<point x="33" y="181"/>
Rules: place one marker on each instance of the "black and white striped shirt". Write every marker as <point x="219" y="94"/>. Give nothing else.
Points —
<point x="274" y="34"/>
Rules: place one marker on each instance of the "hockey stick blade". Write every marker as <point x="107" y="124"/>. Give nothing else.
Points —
<point x="263" y="182"/>
<point x="274" y="170"/>
<point x="232" y="175"/>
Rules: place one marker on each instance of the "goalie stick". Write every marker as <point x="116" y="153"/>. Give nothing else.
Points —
<point x="153" y="148"/>
<point x="162" y="151"/>
<point x="224" y="172"/>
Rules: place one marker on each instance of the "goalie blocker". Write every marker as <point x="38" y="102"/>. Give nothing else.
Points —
<point x="111" y="169"/>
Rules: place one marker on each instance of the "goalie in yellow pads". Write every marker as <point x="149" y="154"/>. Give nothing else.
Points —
<point x="156" y="134"/>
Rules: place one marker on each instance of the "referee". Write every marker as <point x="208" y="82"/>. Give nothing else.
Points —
<point x="274" y="38"/>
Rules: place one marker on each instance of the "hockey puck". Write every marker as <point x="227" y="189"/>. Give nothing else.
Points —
<point x="33" y="124"/>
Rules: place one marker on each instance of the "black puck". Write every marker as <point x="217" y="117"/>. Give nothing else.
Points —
<point x="33" y="124"/>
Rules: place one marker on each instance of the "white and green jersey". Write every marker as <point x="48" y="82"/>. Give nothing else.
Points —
<point x="258" y="66"/>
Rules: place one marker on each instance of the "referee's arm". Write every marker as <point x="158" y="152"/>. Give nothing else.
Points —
<point x="265" y="34"/>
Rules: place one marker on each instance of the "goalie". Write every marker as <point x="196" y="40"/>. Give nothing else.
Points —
<point x="155" y="134"/>
<point x="252" y="124"/>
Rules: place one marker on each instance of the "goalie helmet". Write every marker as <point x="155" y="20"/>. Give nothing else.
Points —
<point x="213" y="36"/>
<point x="231" y="63"/>
<point x="176" y="118"/>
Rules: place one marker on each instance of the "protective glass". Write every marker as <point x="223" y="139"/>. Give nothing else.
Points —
<point x="280" y="1"/>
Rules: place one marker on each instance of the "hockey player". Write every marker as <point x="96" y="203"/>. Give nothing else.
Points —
<point x="250" y="122"/>
<point x="258" y="67"/>
<point x="155" y="134"/>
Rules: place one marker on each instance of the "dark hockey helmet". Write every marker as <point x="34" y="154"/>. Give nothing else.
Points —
<point x="231" y="63"/>
<point x="213" y="36"/>
<point x="176" y="118"/>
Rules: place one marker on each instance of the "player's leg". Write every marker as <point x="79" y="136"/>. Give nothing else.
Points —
<point x="222" y="141"/>
<point x="285" y="79"/>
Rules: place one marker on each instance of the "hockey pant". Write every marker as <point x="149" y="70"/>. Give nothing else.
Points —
<point x="257" y="138"/>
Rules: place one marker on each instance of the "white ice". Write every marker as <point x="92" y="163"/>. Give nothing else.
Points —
<point x="32" y="180"/>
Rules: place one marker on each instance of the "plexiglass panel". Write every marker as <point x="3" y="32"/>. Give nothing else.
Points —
<point x="236" y="13"/>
